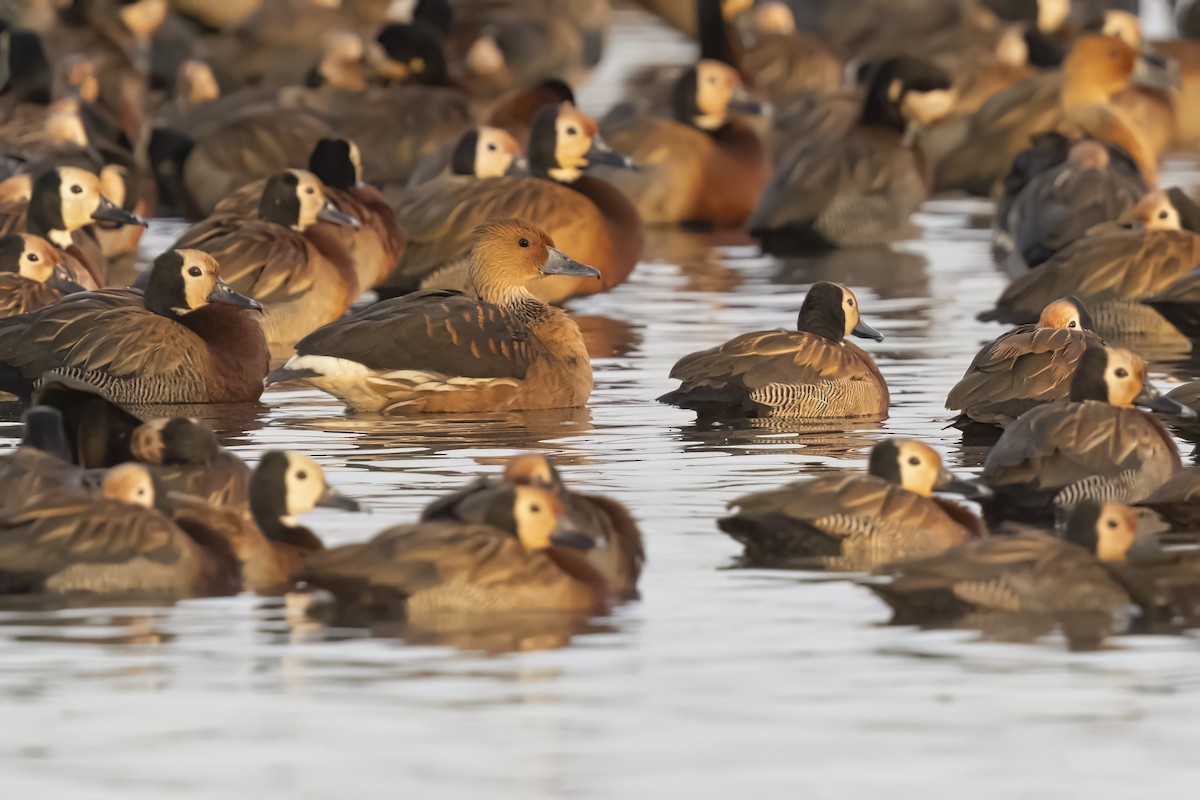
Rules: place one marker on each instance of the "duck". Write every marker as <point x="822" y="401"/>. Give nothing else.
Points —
<point x="618" y="554"/>
<point x="41" y="462"/>
<point x="809" y="373"/>
<point x="1061" y="204"/>
<point x="184" y="456"/>
<point x="33" y="274"/>
<point x="73" y="546"/>
<point x="1027" y="571"/>
<point x="62" y="203"/>
<point x="1025" y="367"/>
<point x="854" y="522"/>
<point x="1134" y="261"/>
<point x="189" y="338"/>
<point x="481" y="152"/>
<point x="376" y="245"/>
<point x="860" y="188"/>
<point x="586" y="216"/>
<point x="1094" y="444"/>
<point x="271" y="545"/>
<point x="1077" y="101"/>
<point x="521" y="557"/>
<point x="780" y="62"/>
<point x="303" y="277"/>
<point x="1176" y="503"/>
<point x="705" y="165"/>
<point x="495" y="347"/>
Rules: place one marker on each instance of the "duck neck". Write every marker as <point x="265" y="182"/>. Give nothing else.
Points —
<point x="516" y="300"/>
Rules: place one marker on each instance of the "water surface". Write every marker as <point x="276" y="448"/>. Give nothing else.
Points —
<point x="719" y="683"/>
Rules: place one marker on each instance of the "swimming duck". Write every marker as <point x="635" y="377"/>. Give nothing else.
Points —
<point x="705" y="165"/>
<point x="496" y="347"/>
<point x="1093" y="445"/>
<point x="303" y="276"/>
<point x="1029" y="571"/>
<point x="861" y="188"/>
<point x="482" y="152"/>
<point x="521" y="557"/>
<point x="62" y="202"/>
<point x="33" y="274"/>
<point x="188" y="339"/>
<point x="1177" y="502"/>
<point x="1078" y="102"/>
<point x="587" y="217"/>
<point x="41" y="462"/>
<point x="853" y="521"/>
<point x="377" y="244"/>
<point x="268" y="541"/>
<point x="618" y="553"/>
<point x="1111" y="262"/>
<point x="810" y="373"/>
<point x="1026" y="367"/>
<point x="69" y="544"/>
<point x="184" y="456"/>
<point x="1058" y="206"/>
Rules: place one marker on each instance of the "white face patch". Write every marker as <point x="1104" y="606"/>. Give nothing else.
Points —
<point x="304" y="483"/>
<point x="79" y="197"/>
<point x="929" y="107"/>
<point x="311" y="194"/>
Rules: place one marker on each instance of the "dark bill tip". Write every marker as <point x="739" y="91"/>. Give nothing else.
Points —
<point x="330" y="214"/>
<point x="559" y="263"/>
<point x="864" y="331"/>
<point x="222" y="292"/>
<point x="108" y="211"/>
<point x="573" y="539"/>
<point x="335" y="499"/>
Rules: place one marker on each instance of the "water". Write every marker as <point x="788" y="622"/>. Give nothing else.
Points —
<point x="718" y="682"/>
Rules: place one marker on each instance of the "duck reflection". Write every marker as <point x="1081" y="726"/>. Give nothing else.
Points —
<point x="890" y="274"/>
<point x="606" y="337"/>
<point x="704" y="257"/>
<point x="844" y="440"/>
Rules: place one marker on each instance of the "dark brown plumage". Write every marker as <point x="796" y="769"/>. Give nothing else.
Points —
<point x="33" y="274"/>
<point x="188" y="339"/>
<point x="810" y="373"/>
<point x="41" y="462"/>
<point x="854" y="521"/>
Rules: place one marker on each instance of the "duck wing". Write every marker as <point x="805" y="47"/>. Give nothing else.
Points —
<point x="268" y="262"/>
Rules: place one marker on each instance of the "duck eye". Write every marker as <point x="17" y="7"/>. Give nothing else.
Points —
<point x="76" y="189"/>
<point x="1122" y="372"/>
<point x="1162" y="215"/>
<point x="535" y="508"/>
<point x="914" y="461"/>
<point x="491" y="148"/>
<point x="301" y="475"/>
<point x="32" y="257"/>
<point x="309" y="190"/>
<point x="523" y="242"/>
<point x="571" y="131"/>
<point x="850" y="303"/>
<point x="195" y="272"/>
<point x="1071" y="324"/>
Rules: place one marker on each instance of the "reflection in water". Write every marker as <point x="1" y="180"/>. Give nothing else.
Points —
<point x="794" y="437"/>
<point x="890" y="273"/>
<point x="606" y="337"/>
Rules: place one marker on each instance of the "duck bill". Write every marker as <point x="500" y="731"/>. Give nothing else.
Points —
<point x="1150" y="398"/>
<point x="864" y="331"/>
<point x="60" y="280"/>
<point x="108" y="211"/>
<point x="950" y="483"/>
<point x="601" y="153"/>
<point x="559" y="263"/>
<point x="222" y="292"/>
<point x="332" y="498"/>
<point x="519" y="168"/>
<point x="1156" y="72"/>
<point x="330" y="214"/>
<point x="743" y="103"/>
<point x="573" y="540"/>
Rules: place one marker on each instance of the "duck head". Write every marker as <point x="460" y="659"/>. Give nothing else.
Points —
<point x="831" y="310"/>
<point x="63" y="125"/>
<point x="918" y="468"/>
<point x="129" y="483"/>
<point x="532" y="469"/>
<point x="1117" y="376"/>
<point x="487" y="152"/>
<point x="408" y="53"/>
<point x="538" y="518"/>
<point x="288" y="484"/>
<point x="35" y="259"/>
<point x="773" y="19"/>
<point x="1106" y="529"/>
<point x="65" y="199"/>
<point x="171" y="441"/>
<point x="1099" y="67"/>
<point x="707" y="93"/>
<point x="195" y="83"/>
<point x="296" y="198"/>
<point x="183" y="281"/>
<point x="1155" y="212"/>
<point x="337" y="163"/>
<point x="563" y="142"/>
<point x="1066" y="313"/>
<point x="904" y="91"/>
<point x="508" y="254"/>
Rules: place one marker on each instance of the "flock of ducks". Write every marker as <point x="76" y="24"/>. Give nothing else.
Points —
<point x="432" y="156"/>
